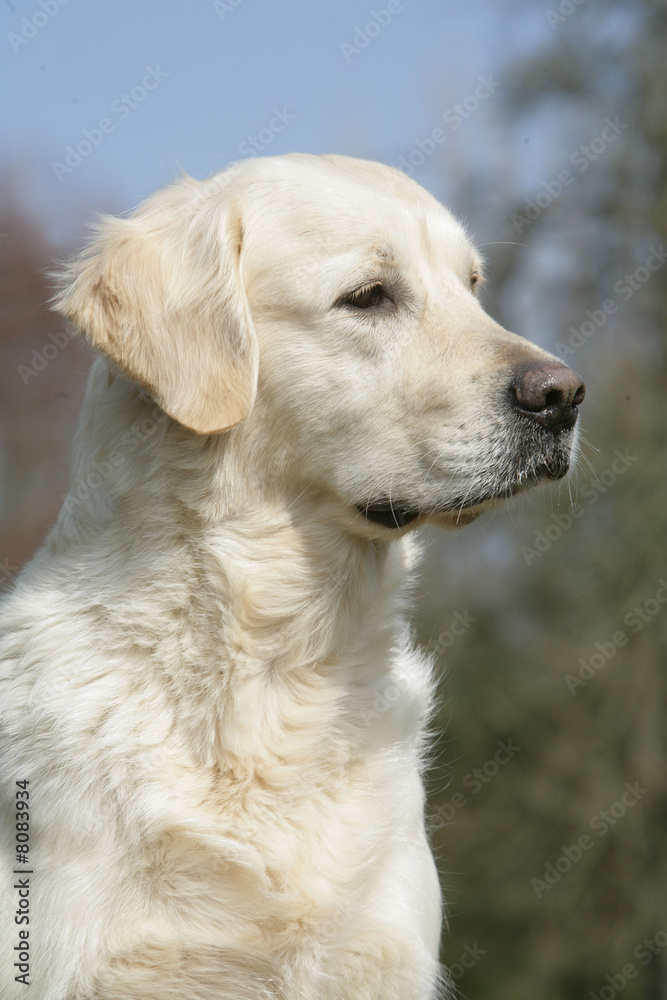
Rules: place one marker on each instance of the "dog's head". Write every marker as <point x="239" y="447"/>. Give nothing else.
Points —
<point x="326" y="309"/>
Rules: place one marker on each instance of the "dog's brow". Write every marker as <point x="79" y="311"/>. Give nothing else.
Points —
<point x="372" y="266"/>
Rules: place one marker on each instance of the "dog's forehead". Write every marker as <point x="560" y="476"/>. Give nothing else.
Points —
<point x="335" y="207"/>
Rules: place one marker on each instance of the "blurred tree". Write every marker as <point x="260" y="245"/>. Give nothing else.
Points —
<point x="41" y="387"/>
<point x="557" y="662"/>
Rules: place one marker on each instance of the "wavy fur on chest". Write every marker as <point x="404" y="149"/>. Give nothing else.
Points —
<point x="221" y="717"/>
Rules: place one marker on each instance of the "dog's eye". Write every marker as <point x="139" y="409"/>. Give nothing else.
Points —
<point x="365" y="297"/>
<point x="474" y="278"/>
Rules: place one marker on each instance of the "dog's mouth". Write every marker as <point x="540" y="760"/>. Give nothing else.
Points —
<point x="389" y="513"/>
<point x="527" y="467"/>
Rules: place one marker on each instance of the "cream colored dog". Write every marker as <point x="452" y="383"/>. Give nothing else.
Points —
<point x="209" y="692"/>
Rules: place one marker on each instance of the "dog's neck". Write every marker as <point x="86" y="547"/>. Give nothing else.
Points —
<point x="277" y="628"/>
<point x="275" y="577"/>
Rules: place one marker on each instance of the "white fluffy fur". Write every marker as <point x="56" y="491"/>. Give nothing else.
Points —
<point x="206" y="672"/>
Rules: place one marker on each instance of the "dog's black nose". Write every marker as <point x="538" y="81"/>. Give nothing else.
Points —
<point x="549" y="393"/>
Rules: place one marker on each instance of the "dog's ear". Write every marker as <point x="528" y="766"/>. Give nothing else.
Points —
<point x="161" y="294"/>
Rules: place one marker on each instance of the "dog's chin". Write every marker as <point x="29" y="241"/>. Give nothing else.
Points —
<point x="458" y="511"/>
<point x="397" y="516"/>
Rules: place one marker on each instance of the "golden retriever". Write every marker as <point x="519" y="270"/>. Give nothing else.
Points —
<point x="213" y="715"/>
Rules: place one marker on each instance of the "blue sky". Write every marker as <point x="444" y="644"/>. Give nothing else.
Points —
<point x="220" y="71"/>
<point x="134" y="92"/>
